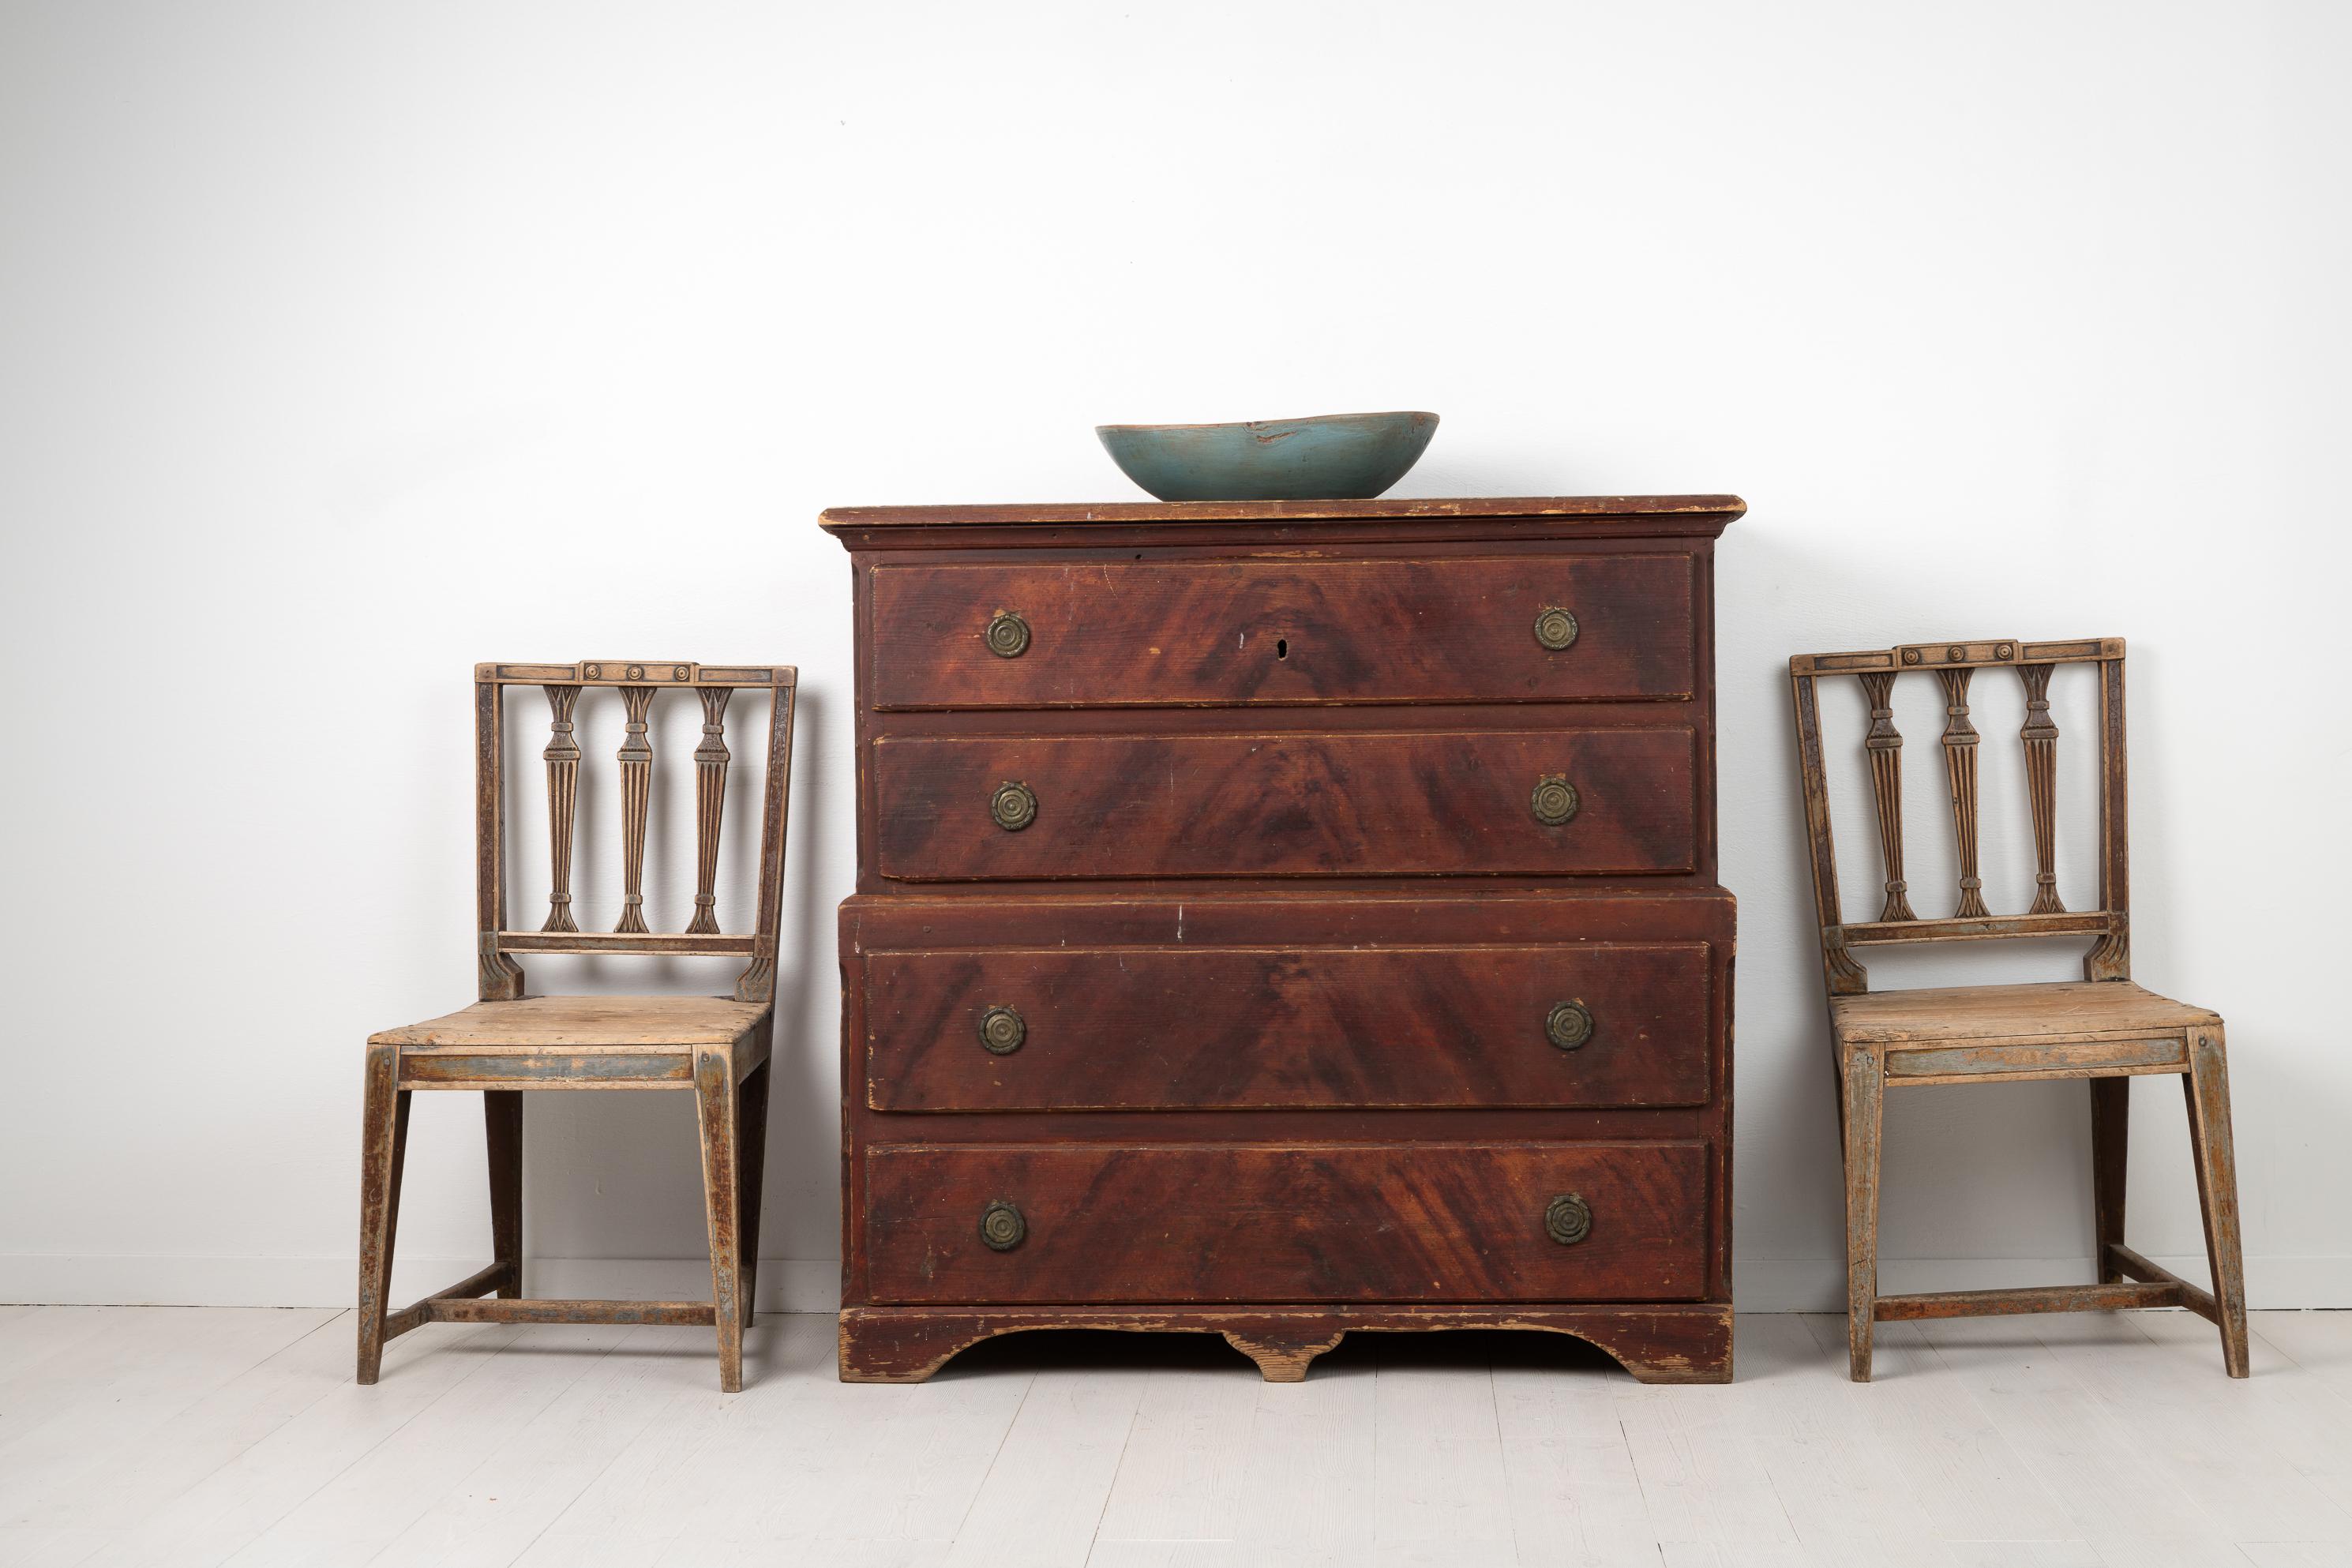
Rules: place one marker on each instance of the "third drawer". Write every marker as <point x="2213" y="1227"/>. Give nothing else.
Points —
<point x="1582" y="1025"/>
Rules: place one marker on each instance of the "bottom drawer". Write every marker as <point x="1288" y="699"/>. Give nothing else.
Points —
<point x="1446" y="1221"/>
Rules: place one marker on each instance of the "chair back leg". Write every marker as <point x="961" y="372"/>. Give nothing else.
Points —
<point x="2207" y="1085"/>
<point x="2110" y="1141"/>
<point x="1864" y="1093"/>
<point x="752" y="1155"/>
<point x="383" y="1144"/>
<point x="715" y="1097"/>
<point x="502" y="1124"/>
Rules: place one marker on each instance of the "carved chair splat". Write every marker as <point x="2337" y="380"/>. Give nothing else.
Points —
<point x="2104" y="1028"/>
<point x="715" y="1047"/>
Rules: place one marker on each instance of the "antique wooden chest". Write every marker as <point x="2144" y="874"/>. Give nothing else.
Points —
<point x="1284" y="918"/>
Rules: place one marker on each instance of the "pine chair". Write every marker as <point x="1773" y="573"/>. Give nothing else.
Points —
<point x="507" y="1043"/>
<point x="2104" y="1027"/>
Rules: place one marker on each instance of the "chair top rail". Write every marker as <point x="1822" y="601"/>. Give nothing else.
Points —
<point x="637" y="673"/>
<point x="1958" y="655"/>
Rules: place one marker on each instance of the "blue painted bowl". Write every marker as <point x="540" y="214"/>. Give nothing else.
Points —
<point x="1333" y="456"/>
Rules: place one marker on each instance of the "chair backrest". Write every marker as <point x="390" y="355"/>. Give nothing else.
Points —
<point x="1953" y="664"/>
<point x="639" y="682"/>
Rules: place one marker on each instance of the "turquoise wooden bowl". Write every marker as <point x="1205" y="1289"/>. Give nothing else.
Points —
<point x="1333" y="456"/>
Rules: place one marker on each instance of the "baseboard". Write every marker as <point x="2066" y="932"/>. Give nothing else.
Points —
<point x="1818" y="1285"/>
<point x="814" y="1284"/>
<point x="786" y="1284"/>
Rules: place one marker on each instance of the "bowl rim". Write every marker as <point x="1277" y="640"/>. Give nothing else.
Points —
<point x="1260" y="424"/>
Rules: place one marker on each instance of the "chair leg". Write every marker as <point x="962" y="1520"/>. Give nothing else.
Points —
<point x="503" y="1123"/>
<point x="1864" y="1100"/>
<point x="2207" y="1086"/>
<point x="383" y="1142"/>
<point x="2110" y="1141"/>
<point x="714" y="1106"/>
<point x="751" y="1142"/>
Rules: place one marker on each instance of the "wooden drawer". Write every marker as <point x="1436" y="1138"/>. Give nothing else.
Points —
<point x="1095" y="633"/>
<point x="1443" y="1222"/>
<point x="1246" y="1028"/>
<point x="1285" y="805"/>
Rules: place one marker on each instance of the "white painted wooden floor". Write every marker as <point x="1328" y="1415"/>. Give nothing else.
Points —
<point x="152" y="1435"/>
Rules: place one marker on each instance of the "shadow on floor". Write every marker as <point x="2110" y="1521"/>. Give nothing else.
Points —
<point x="1095" y="1350"/>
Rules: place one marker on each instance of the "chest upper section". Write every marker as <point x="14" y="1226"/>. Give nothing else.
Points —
<point x="1387" y="691"/>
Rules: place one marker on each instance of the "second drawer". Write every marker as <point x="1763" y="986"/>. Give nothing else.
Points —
<point x="1589" y="1025"/>
<point x="1561" y="802"/>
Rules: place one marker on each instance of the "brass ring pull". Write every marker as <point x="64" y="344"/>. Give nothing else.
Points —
<point x="1007" y="635"/>
<point x="1002" y="1031"/>
<point x="1569" y="1025"/>
<point x="1002" y="1226"/>
<point x="1554" y="801"/>
<point x="1568" y="1219"/>
<point x="1013" y="806"/>
<point x="1555" y="627"/>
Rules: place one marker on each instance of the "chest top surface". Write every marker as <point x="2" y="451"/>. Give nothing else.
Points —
<point x="1080" y="525"/>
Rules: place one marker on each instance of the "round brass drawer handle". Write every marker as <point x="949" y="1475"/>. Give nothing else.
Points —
<point x="1555" y="627"/>
<point x="1554" y="801"/>
<point x="1569" y="1025"/>
<point x="1568" y="1220"/>
<point x="1002" y="1031"/>
<point x="1002" y="1226"/>
<point x="1013" y="806"/>
<point x="1007" y="635"/>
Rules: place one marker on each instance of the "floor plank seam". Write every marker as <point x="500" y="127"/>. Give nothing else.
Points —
<point x="587" y="1485"/>
<point x="995" y="1455"/>
<point x="1127" y="1439"/>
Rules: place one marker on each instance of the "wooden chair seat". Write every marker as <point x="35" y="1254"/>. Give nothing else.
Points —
<point x="580" y="1042"/>
<point x="1900" y="1020"/>
<point x="583" y="1022"/>
<point x="2070" y="1030"/>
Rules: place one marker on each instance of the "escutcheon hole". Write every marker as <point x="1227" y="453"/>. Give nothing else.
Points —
<point x="1282" y="648"/>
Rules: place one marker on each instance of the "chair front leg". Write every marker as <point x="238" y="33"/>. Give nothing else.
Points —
<point x="502" y="1124"/>
<point x="384" y="1143"/>
<point x="1863" y="1099"/>
<point x="2207" y="1085"/>
<point x="715" y="1097"/>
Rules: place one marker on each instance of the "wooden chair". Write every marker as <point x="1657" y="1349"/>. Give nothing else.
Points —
<point x="2104" y="1028"/>
<point x="507" y="1043"/>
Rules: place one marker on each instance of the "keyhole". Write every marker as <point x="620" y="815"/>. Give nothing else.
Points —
<point x="1282" y="648"/>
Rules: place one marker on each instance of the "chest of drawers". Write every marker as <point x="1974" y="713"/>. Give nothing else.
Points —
<point x="1277" y="918"/>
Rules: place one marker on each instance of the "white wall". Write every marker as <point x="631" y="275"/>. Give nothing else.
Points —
<point x="341" y="346"/>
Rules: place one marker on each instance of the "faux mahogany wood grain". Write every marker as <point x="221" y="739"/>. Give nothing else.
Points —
<point x="1287" y="804"/>
<point x="1444" y="629"/>
<point x="1658" y="1343"/>
<point x="1245" y="1027"/>
<point x="1283" y="928"/>
<point x="1187" y="1223"/>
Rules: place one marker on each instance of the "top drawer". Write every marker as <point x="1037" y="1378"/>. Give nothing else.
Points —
<point x="1084" y="633"/>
